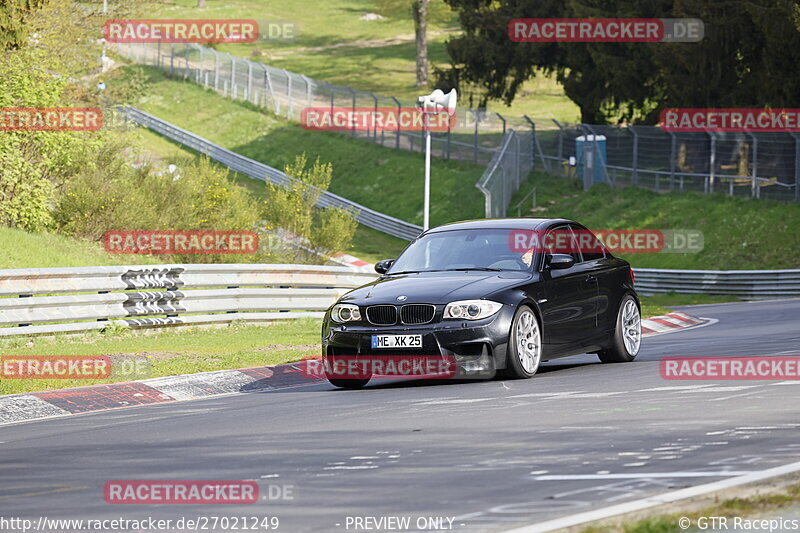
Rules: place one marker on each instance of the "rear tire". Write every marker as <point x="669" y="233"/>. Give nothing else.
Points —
<point x="627" y="334"/>
<point x="524" y="352"/>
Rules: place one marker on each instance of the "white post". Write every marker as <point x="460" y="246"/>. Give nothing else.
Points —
<point x="427" y="208"/>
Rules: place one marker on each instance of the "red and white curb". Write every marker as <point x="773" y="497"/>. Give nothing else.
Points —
<point x="671" y="322"/>
<point x="353" y="263"/>
<point x="16" y="408"/>
<point x="48" y="404"/>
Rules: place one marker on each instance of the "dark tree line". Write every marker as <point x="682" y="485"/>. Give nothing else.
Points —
<point x="749" y="57"/>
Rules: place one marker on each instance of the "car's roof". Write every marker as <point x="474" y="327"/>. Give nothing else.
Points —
<point x="500" y="223"/>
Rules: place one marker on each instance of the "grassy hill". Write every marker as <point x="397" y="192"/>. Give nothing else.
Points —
<point x="45" y="250"/>
<point x="333" y="44"/>
<point x="739" y="233"/>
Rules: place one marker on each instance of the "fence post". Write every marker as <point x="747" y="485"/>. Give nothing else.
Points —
<point x="233" y="72"/>
<point x="673" y="156"/>
<point x="755" y="190"/>
<point x="249" y="78"/>
<point x="289" y="93"/>
<point x="186" y="60"/>
<point x="268" y="89"/>
<point x="634" y="156"/>
<point x="712" y="164"/>
<point x="171" y="58"/>
<point x="449" y="127"/>
<point x="201" y="69"/>
<point x="560" y="148"/>
<point x="216" y="70"/>
<point x="374" y="118"/>
<point x="475" y="136"/>
<point x="796" y="168"/>
<point x="504" y="123"/>
<point x="308" y="89"/>
<point x="399" y="111"/>
<point x="518" y="170"/>
<point x="352" y="122"/>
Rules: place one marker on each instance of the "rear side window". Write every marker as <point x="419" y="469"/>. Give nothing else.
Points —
<point x="589" y="244"/>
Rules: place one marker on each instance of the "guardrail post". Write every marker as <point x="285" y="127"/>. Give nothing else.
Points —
<point x="560" y="150"/>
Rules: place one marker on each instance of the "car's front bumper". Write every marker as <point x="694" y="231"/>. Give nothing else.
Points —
<point x="478" y="346"/>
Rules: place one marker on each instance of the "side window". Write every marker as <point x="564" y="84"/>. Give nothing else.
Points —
<point x="561" y="239"/>
<point x="588" y="243"/>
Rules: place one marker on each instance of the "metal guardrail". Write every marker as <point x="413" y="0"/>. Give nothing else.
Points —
<point x="257" y="170"/>
<point x="746" y="284"/>
<point x="37" y="301"/>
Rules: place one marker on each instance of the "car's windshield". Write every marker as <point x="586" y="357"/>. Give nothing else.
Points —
<point x="468" y="249"/>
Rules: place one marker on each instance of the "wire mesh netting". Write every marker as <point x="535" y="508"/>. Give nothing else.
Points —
<point x="762" y="165"/>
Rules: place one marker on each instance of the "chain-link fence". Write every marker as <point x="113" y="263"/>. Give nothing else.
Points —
<point x="762" y="165"/>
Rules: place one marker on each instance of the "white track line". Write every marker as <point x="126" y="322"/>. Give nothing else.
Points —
<point x="653" y="501"/>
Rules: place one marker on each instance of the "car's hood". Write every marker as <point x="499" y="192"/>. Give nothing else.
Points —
<point x="434" y="287"/>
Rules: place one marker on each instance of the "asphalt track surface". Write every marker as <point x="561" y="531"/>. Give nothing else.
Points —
<point x="489" y="455"/>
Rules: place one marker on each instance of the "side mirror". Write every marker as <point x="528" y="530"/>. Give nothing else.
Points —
<point x="382" y="266"/>
<point x="559" y="261"/>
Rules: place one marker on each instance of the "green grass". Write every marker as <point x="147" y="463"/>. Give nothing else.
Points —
<point x="46" y="250"/>
<point x="782" y="502"/>
<point x="661" y="304"/>
<point x="167" y="352"/>
<point x="738" y="233"/>
<point x="363" y="172"/>
<point x="377" y="56"/>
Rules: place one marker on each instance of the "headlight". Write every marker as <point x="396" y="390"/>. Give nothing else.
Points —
<point x="471" y="309"/>
<point x="345" y="313"/>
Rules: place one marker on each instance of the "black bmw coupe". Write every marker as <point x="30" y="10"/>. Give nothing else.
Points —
<point x="495" y="295"/>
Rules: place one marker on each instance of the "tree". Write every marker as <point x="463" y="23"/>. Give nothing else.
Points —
<point x="747" y="58"/>
<point x="422" y="12"/>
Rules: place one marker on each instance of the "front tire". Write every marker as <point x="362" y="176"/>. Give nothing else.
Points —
<point x="348" y="383"/>
<point x="627" y="334"/>
<point x="524" y="351"/>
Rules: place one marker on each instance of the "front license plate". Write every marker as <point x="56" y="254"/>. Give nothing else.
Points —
<point x="397" y="341"/>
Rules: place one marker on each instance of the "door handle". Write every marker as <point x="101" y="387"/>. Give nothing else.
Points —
<point x="591" y="279"/>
